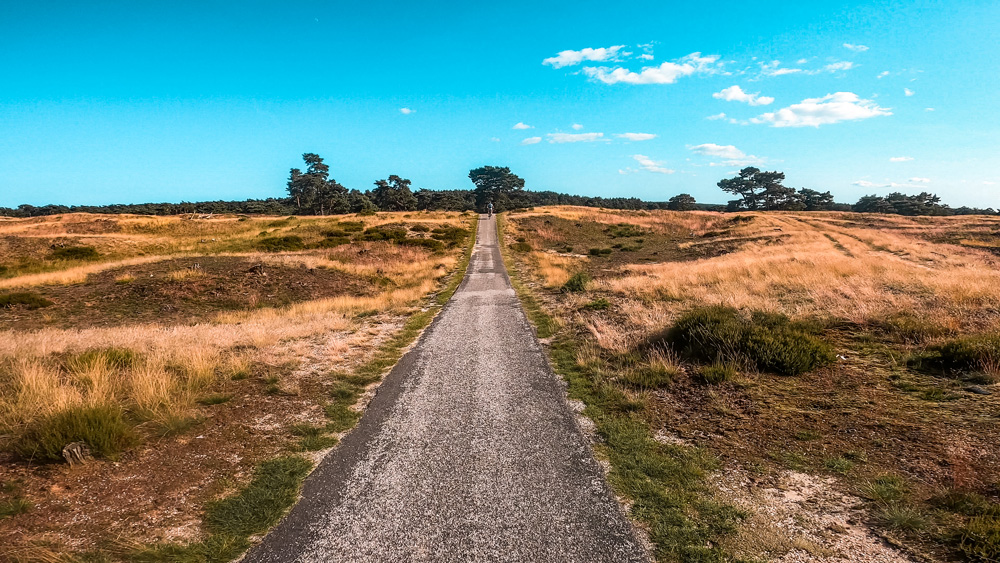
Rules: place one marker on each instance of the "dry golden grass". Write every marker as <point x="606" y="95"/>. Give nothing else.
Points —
<point x="555" y="269"/>
<point x="41" y="373"/>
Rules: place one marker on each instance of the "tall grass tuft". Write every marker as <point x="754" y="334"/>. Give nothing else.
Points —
<point x="103" y="428"/>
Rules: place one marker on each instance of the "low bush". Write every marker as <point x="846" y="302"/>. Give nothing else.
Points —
<point x="599" y="304"/>
<point x="765" y="341"/>
<point x="970" y="353"/>
<point x="420" y="229"/>
<point x="75" y="253"/>
<point x="332" y="242"/>
<point x="521" y="247"/>
<point x="103" y="428"/>
<point x="352" y="226"/>
<point x="624" y="230"/>
<point x="24" y="299"/>
<point x="576" y="283"/>
<point x="281" y="244"/>
<point x="599" y="251"/>
<point x="383" y="233"/>
<point x="428" y="243"/>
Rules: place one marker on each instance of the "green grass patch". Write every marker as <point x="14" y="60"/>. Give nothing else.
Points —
<point x="886" y="489"/>
<point x="312" y="438"/>
<point x="281" y="244"/>
<point x="599" y="304"/>
<point x="383" y="233"/>
<point x="652" y="376"/>
<point x="112" y="357"/>
<point x="718" y="372"/>
<point x="902" y="517"/>
<point x="26" y="299"/>
<point x="624" y="230"/>
<point x="520" y="247"/>
<point x="838" y="464"/>
<point x="75" y="253"/>
<point x="765" y="341"/>
<point x="103" y="428"/>
<point x="13" y="507"/>
<point x="979" y="538"/>
<point x="452" y="236"/>
<point x="215" y="399"/>
<point x="174" y="424"/>
<point x="576" y="283"/>
<point x="970" y="353"/>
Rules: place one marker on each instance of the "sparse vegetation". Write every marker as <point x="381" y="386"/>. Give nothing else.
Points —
<point x="24" y="299"/>
<point x="576" y="283"/>
<point x="75" y="253"/>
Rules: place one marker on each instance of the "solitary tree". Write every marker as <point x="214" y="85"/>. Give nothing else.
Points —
<point x="758" y="190"/>
<point x="681" y="202"/>
<point x="394" y="194"/>
<point x="314" y="191"/>
<point x="496" y="184"/>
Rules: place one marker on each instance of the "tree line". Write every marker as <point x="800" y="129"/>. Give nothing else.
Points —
<point x="314" y="192"/>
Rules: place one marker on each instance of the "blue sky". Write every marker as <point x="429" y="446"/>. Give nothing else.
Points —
<point x="104" y="102"/>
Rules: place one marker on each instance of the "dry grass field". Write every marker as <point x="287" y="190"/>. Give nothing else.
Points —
<point x="186" y="351"/>
<point x="839" y="370"/>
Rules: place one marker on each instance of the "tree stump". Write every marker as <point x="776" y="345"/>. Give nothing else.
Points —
<point x="77" y="452"/>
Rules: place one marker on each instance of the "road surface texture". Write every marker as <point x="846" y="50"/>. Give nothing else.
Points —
<point x="468" y="452"/>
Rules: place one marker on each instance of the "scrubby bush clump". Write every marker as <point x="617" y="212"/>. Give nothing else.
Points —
<point x="765" y="341"/>
<point x="280" y="244"/>
<point x="75" y="253"/>
<point x="576" y="283"/>
<point x="24" y="299"/>
<point x="383" y="233"/>
<point x="970" y="353"/>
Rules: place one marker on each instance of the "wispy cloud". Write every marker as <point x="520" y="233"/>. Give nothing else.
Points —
<point x="731" y="155"/>
<point x="636" y="136"/>
<point x="834" y="67"/>
<point x="908" y="92"/>
<point x="736" y="94"/>
<point x="856" y="48"/>
<point x="832" y="108"/>
<point x="531" y="141"/>
<point x="570" y="57"/>
<point x="901" y="159"/>
<point x="716" y="116"/>
<point x="666" y="73"/>
<point x="577" y="126"/>
<point x="406" y="111"/>
<point x="774" y="68"/>
<point x="520" y="125"/>
<point x="892" y="185"/>
<point x="650" y="165"/>
<point x="882" y="74"/>
<point x="920" y="180"/>
<point x="574" y="137"/>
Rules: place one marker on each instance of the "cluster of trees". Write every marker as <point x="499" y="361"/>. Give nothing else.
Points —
<point x="313" y="192"/>
<point x="759" y="190"/>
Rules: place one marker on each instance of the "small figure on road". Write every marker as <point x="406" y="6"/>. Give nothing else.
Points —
<point x="489" y="209"/>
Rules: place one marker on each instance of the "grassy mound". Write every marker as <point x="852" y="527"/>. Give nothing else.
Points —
<point x="764" y="341"/>
<point x="103" y="428"/>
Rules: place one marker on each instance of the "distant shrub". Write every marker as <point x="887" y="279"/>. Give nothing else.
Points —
<point x="332" y="242"/>
<point x="599" y="251"/>
<point x="768" y="342"/>
<point x="334" y="233"/>
<point x="521" y="247"/>
<point x="624" y="230"/>
<point x="598" y="304"/>
<point x="428" y="243"/>
<point x="25" y="299"/>
<point x="280" y="244"/>
<point x="576" y="283"/>
<point x="352" y="226"/>
<point x="970" y="353"/>
<point x="75" y="253"/>
<point x="383" y="233"/>
<point x="103" y="428"/>
<point x="420" y="228"/>
<point x="451" y="235"/>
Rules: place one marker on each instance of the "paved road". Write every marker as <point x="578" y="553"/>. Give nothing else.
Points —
<point x="468" y="452"/>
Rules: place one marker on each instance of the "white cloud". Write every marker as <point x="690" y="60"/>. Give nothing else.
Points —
<point x="577" y="126"/>
<point x="666" y="73"/>
<point x="832" y="108"/>
<point x="520" y="125"/>
<point x="882" y="74"/>
<point x="801" y="61"/>
<point x="856" y="48"/>
<point x="646" y="57"/>
<point x="731" y="155"/>
<point x="892" y="185"/>
<point x="531" y="141"/>
<point x="636" y="136"/>
<point x="908" y="92"/>
<point x="570" y="57"/>
<point x="774" y="68"/>
<point x="716" y="116"/>
<point x="901" y="159"/>
<point x="928" y="109"/>
<point x="495" y="139"/>
<point x="406" y="111"/>
<point x="736" y="94"/>
<point x="865" y="184"/>
<point x="651" y="165"/>
<point x="574" y="137"/>
<point x="920" y="180"/>
<point x="834" y="67"/>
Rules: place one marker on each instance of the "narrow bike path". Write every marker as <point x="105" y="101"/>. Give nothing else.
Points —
<point x="468" y="452"/>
